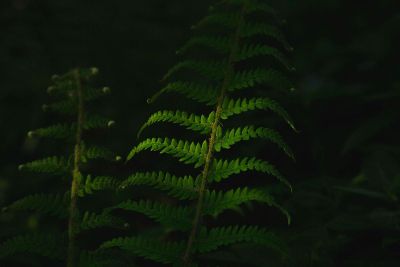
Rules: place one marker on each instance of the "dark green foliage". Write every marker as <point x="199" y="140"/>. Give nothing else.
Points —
<point x="73" y="93"/>
<point x="222" y="81"/>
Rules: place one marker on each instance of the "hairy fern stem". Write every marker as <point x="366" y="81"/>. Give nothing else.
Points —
<point x="73" y="222"/>
<point x="229" y="71"/>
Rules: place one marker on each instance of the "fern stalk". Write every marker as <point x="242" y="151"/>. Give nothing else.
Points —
<point x="73" y="222"/>
<point x="229" y="71"/>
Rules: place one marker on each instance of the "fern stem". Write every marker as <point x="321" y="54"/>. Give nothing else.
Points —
<point x="73" y="222"/>
<point x="229" y="71"/>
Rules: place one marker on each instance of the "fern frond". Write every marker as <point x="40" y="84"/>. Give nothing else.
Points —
<point x="169" y="216"/>
<point x="52" y="204"/>
<point x="62" y="107"/>
<point x="97" y="122"/>
<point x="51" y="165"/>
<point x="202" y="93"/>
<point x="217" y="202"/>
<point x="186" y="151"/>
<point x="98" y="152"/>
<point x="58" y="131"/>
<point x="218" y="44"/>
<point x="225" y="20"/>
<point x="179" y="187"/>
<point x="232" y="107"/>
<point x="48" y="245"/>
<point x="255" y="6"/>
<point x="90" y="185"/>
<point x="99" y="259"/>
<point x="192" y="121"/>
<point x="209" y="69"/>
<point x="209" y="240"/>
<point x="234" y="136"/>
<point x="257" y="29"/>
<point x="222" y="169"/>
<point x="255" y="50"/>
<point x="270" y="77"/>
<point x="156" y="250"/>
<point x="95" y="93"/>
<point x="91" y="220"/>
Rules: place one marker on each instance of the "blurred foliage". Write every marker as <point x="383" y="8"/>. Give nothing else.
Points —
<point x="345" y="205"/>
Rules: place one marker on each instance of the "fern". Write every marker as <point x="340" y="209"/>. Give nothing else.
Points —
<point x="72" y="94"/>
<point x="219" y="81"/>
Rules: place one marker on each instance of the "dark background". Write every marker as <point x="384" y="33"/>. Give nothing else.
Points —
<point x="345" y="204"/>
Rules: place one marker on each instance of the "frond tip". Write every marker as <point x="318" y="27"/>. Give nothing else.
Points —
<point x="192" y="121"/>
<point x="152" y="249"/>
<point x="210" y="240"/>
<point x="186" y="151"/>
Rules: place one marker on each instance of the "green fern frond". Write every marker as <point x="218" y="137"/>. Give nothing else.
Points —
<point x="98" y="152"/>
<point x="51" y="165"/>
<point x="209" y="240"/>
<point x="62" y="107"/>
<point x="217" y="202"/>
<point x="255" y="50"/>
<point x="270" y="77"/>
<point x="212" y="70"/>
<point x="186" y="151"/>
<point x="219" y="44"/>
<point x="97" y="122"/>
<point x="202" y="93"/>
<point x="231" y="21"/>
<point x="95" y="93"/>
<point x="169" y="216"/>
<point x="99" y="259"/>
<point x="255" y="6"/>
<point x="261" y="29"/>
<point x="48" y="245"/>
<point x="90" y="185"/>
<point x="236" y="135"/>
<point x="232" y="107"/>
<point x="91" y="220"/>
<point x="225" y="20"/>
<point x="192" y="121"/>
<point x="179" y="187"/>
<point x="222" y="169"/>
<point x="58" y="131"/>
<point x="52" y="204"/>
<point x="156" y="250"/>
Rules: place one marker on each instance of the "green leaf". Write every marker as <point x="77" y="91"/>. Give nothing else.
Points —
<point x="236" y="135"/>
<point x="156" y="250"/>
<point x="222" y="169"/>
<point x="216" y="43"/>
<point x="250" y="78"/>
<point x="51" y="165"/>
<point x="58" y="131"/>
<point x="209" y="240"/>
<point x="192" y="121"/>
<point x="261" y="29"/>
<point x="178" y="187"/>
<point x="186" y="151"/>
<point x="217" y="202"/>
<point x="52" y="204"/>
<point x="47" y="245"/>
<point x="90" y="185"/>
<point x="256" y="50"/>
<point x="178" y="218"/>
<point x="92" y="220"/>
<point x="198" y="92"/>
<point x="212" y="70"/>
<point x="231" y="107"/>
